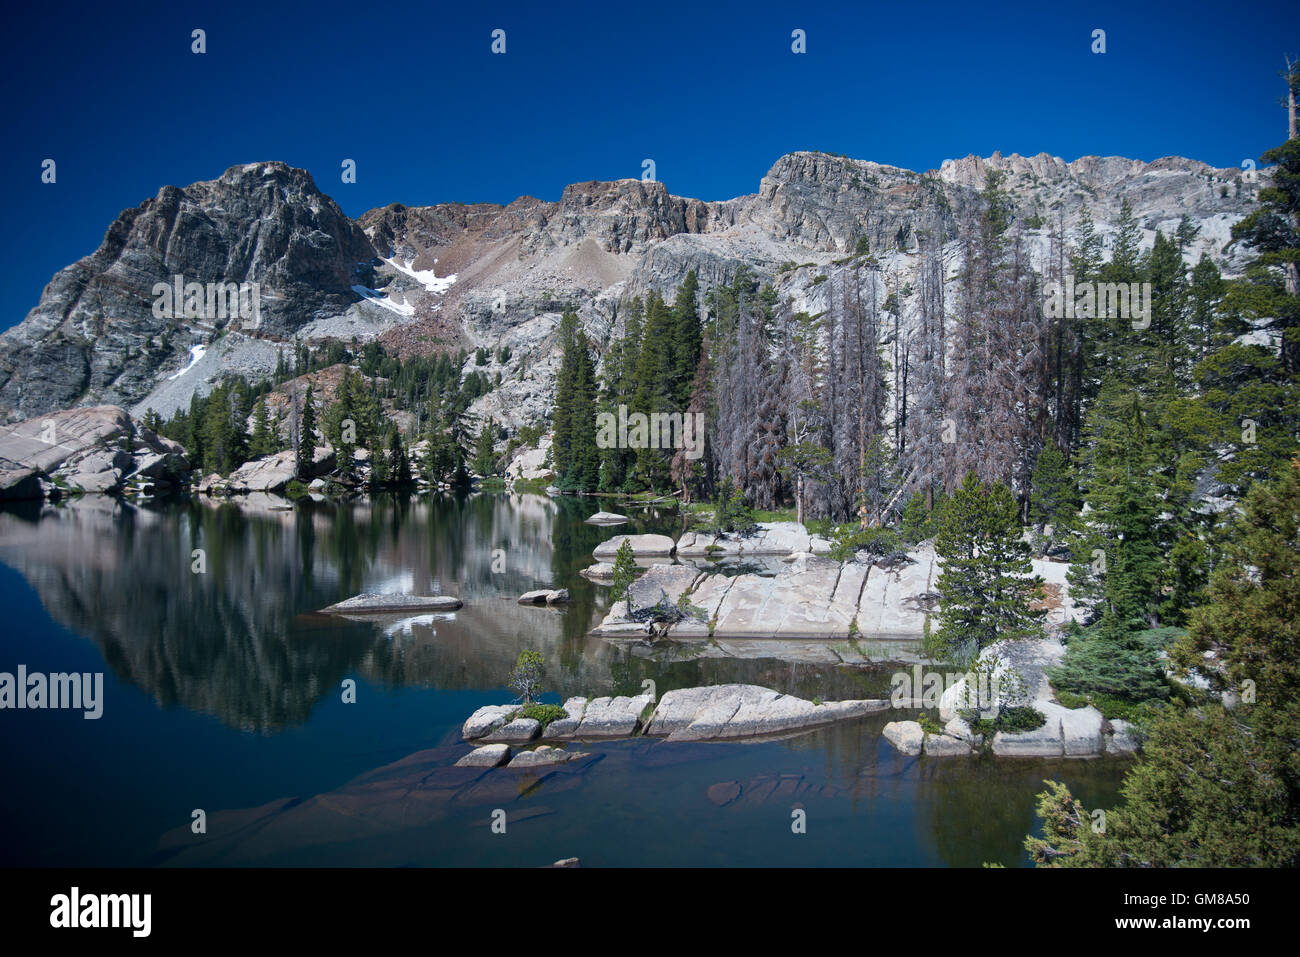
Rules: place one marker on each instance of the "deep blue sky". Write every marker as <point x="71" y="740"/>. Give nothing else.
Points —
<point x="587" y="91"/>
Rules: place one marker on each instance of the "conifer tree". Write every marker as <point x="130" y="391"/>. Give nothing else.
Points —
<point x="306" y="435"/>
<point x="986" y="586"/>
<point x="262" y="442"/>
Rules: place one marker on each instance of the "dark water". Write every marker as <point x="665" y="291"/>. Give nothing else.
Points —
<point x="223" y="692"/>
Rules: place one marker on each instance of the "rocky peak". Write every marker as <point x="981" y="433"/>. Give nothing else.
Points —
<point x="94" y="335"/>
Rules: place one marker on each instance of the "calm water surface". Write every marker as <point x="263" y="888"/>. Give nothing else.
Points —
<point x="223" y="692"/>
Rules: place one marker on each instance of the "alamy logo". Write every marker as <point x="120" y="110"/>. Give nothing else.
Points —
<point x="1099" y="300"/>
<point x="84" y="691"/>
<point x="657" y="430"/>
<point x="75" y="909"/>
<point x="211" y="300"/>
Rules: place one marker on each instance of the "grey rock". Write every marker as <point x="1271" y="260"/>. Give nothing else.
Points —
<point x="518" y="729"/>
<point x="618" y="717"/>
<point x="488" y="756"/>
<point x="1123" y="738"/>
<point x="906" y="736"/>
<point x="387" y="603"/>
<point x="545" y="755"/>
<point x="607" y="518"/>
<point x="642" y="545"/>
<point x="486" y="719"/>
<point x="602" y="572"/>
<point x="544" y="596"/>
<point x="568" y="726"/>
<point x="942" y="746"/>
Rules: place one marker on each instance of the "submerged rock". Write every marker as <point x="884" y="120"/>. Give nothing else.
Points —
<point x="724" y="792"/>
<point x="545" y="755"/>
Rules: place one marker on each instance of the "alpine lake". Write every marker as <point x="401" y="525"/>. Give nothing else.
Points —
<point x="240" y="727"/>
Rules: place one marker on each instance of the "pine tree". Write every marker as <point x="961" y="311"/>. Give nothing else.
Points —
<point x="399" y="466"/>
<point x="1271" y="291"/>
<point x="687" y="338"/>
<point x="565" y="397"/>
<point x="1055" y="494"/>
<point x="306" y="436"/>
<point x="625" y="572"/>
<point x="485" y="459"/>
<point x="985" y="589"/>
<point x="262" y="442"/>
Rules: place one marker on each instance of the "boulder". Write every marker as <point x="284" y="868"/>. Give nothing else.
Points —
<point x="642" y="545"/>
<point x="210" y="484"/>
<point x="568" y="726"/>
<point x="602" y="572"/>
<point x="485" y="719"/>
<point x="959" y="729"/>
<point x="544" y="596"/>
<point x="488" y="756"/>
<point x="270" y="473"/>
<point x="1123" y="738"/>
<point x="906" y="736"/>
<point x="45" y="443"/>
<point x="618" y="717"/>
<point x="661" y="583"/>
<point x="607" y="518"/>
<point x="18" y="484"/>
<point x="518" y="729"/>
<point x="940" y="746"/>
<point x="1081" y="735"/>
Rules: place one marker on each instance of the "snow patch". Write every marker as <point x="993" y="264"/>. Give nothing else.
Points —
<point x="425" y="277"/>
<point x="196" y="353"/>
<point x="373" y="295"/>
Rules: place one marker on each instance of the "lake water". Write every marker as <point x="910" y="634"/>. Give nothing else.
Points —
<point x="223" y="691"/>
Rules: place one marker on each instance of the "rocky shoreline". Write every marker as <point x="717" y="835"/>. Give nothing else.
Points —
<point x="811" y="597"/>
<point x="1066" y="732"/>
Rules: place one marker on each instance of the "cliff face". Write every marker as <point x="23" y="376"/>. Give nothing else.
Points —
<point x="442" y="277"/>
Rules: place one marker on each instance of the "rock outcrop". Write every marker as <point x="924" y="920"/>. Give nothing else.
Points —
<point x="95" y="449"/>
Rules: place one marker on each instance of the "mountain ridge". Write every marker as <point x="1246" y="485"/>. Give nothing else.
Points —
<point x="455" y="275"/>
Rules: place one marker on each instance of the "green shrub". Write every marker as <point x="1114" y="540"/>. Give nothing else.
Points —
<point x="543" y="714"/>
<point x="877" y="541"/>
<point x="1068" y="699"/>
<point x="1010" y="720"/>
<point x="929" y="725"/>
